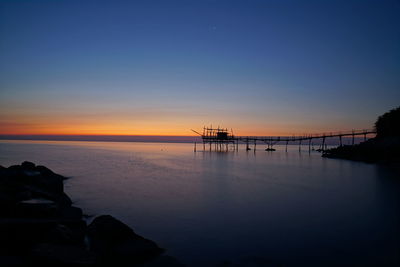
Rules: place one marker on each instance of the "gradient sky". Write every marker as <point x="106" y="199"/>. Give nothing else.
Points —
<point x="164" y="67"/>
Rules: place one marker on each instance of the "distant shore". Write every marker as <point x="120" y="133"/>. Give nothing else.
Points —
<point x="385" y="147"/>
<point x="372" y="151"/>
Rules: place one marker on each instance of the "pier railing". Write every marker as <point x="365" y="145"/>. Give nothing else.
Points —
<point x="308" y="136"/>
<point x="221" y="138"/>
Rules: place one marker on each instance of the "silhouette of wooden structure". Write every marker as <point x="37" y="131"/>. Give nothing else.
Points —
<point x="217" y="138"/>
<point x="220" y="139"/>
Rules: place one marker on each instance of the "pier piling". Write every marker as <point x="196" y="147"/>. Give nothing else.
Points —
<point x="221" y="138"/>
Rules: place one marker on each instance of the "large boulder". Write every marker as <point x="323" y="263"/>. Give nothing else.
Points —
<point x="22" y="232"/>
<point x="114" y="241"/>
<point x="66" y="234"/>
<point x="53" y="184"/>
<point x="164" y="261"/>
<point x="39" y="226"/>
<point x="27" y="165"/>
<point x="29" y="177"/>
<point x="36" y="208"/>
<point x="59" y="197"/>
<point x="47" y="172"/>
<point x="48" y="254"/>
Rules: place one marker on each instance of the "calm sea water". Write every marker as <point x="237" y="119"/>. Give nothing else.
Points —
<point x="207" y="208"/>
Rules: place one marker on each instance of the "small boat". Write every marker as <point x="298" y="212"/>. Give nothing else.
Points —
<point x="270" y="149"/>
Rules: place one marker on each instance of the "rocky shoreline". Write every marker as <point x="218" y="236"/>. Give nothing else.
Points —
<point x="39" y="226"/>
<point x="384" y="150"/>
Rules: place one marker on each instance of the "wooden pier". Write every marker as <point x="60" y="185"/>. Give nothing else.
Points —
<point x="221" y="139"/>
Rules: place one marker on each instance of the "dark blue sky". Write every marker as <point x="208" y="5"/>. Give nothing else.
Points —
<point x="162" y="67"/>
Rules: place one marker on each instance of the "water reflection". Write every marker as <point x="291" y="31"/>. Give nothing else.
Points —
<point x="206" y="207"/>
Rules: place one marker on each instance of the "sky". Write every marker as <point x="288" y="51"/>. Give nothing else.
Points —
<point x="165" y="67"/>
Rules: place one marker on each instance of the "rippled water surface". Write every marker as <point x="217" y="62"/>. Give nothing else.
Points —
<point x="208" y="208"/>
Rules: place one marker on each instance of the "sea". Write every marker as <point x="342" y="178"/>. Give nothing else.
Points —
<point x="232" y="208"/>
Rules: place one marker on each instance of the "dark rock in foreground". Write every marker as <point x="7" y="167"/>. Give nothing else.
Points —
<point x="39" y="226"/>
<point x="116" y="242"/>
<point x="61" y="254"/>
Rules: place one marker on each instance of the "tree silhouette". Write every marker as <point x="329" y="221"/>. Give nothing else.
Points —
<point x="388" y="124"/>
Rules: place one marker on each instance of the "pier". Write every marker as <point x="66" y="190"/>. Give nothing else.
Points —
<point x="222" y="139"/>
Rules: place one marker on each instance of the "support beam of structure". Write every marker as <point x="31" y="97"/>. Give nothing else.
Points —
<point x="220" y="138"/>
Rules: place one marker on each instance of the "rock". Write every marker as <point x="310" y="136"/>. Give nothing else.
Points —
<point x="115" y="241"/>
<point x="20" y="232"/>
<point x="107" y="228"/>
<point x="23" y="195"/>
<point x="53" y="184"/>
<point x="36" y="208"/>
<point x="13" y="260"/>
<point x="64" y="234"/>
<point x="27" y="165"/>
<point x="60" y="254"/>
<point x="38" y="226"/>
<point x="17" y="179"/>
<point x="165" y="261"/>
<point x="70" y="213"/>
<point x="39" y="176"/>
<point x="10" y="194"/>
<point x="47" y="172"/>
<point x="15" y="167"/>
<point x="45" y="208"/>
<point x="31" y="173"/>
<point x="61" y="198"/>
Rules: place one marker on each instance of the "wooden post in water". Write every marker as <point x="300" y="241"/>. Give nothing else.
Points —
<point x="299" y="145"/>
<point x="323" y="143"/>
<point x="352" y="142"/>
<point x="255" y="144"/>
<point x="194" y="146"/>
<point x="309" y="145"/>
<point x="340" y="138"/>
<point x="286" y="144"/>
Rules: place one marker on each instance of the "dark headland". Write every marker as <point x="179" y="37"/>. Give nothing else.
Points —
<point x="39" y="226"/>
<point x="385" y="147"/>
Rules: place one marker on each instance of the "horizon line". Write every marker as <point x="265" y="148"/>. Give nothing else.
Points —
<point x="101" y="138"/>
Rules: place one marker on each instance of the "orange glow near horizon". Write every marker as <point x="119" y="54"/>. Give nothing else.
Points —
<point x="146" y="129"/>
<point x="142" y="71"/>
<point x="161" y="123"/>
<point x="103" y="130"/>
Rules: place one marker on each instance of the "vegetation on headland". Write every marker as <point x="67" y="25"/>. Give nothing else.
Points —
<point x="384" y="147"/>
<point x="388" y="124"/>
<point x="40" y="227"/>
